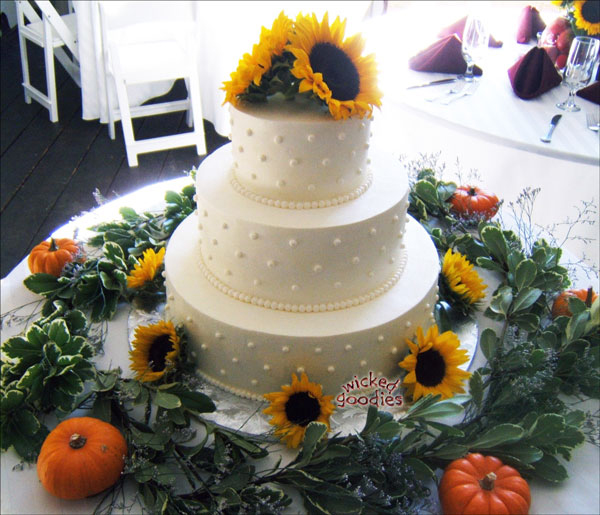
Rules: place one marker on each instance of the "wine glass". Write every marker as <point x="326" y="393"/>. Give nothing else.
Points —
<point x="579" y="68"/>
<point x="474" y="44"/>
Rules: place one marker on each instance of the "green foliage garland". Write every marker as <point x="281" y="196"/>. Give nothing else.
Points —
<point x="516" y="409"/>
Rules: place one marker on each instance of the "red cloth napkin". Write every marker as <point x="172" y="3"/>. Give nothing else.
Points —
<point x="530" y="23"/>
<point x="458" y="27"/>
<point x="591" y="93"/>
<point x="533" y="74"/>
<point x="443" y="56"/>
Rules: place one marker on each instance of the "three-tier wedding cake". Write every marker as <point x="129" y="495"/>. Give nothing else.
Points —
<point x="301" y="256"/>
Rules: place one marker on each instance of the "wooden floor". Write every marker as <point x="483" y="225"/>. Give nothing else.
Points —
<point x="49" y="171"/>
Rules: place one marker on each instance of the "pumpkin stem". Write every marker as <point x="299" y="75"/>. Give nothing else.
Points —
<point x="77" y="441"/>
<point x="53" y="246"/>
<point x="472" y="191"/>
<point x="487" y="483"/>
<point x="589" y="296"/>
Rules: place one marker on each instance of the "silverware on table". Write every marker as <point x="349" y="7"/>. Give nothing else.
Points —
<point x="593" y="122"/>
<point x="434" y="83"/>
<point x="553" y="123"/>
<point x="466" y="91"/>
<point x="452" y="91"/>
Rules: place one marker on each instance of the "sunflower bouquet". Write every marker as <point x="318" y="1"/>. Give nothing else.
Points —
<point x="584" y="16"/>
<point x="310" y="58"/>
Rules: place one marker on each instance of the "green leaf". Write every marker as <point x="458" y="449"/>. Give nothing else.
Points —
<point x="576" y="325"/>
<point x="522" y="452"/>
<point x="525" y="299"/>
<point x="11" y="400"/>
<point x="109" y="282"/>
<point x="196" y="402"/>
<point x="502" y="434"/>
<point x="488" y="342"/>
<point x="42" y="284"/>
<point x="550" y="469"/>
<point x="494" y="240"/>
<point x="26" y="421"/>
<point x="502" y="300"/>
<point x="422" y="471"/>
<point x="70" y="383"/>
<point x="19" y="348"/>
<point x="129" y="213"/>
<point x="546" y="427"/>
<point x="451" y="451"/>
<point x="315" y="431"/>
<point x="426" y="191"/>
<point x="527" y="321"/>
<point x="476" y="388"/>
<point x="525" y="273"/>
<point x="58" y="332"/>
<point x="167" y="400"/>
<point x="114" y="253"/>
<point x="327" y="502"/>
<point x="489" y="264"/>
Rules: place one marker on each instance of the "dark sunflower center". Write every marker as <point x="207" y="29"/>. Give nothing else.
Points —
<point x="431" y="368"/>
<point x="339" y="72"/>
<point x="591" y="11"/>
<point x="301" y="409"/>
<point x="159" y="349"/>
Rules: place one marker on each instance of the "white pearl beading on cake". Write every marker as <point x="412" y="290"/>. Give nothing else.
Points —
<point x="304" y="308"/>
<point x="301" y="204"/>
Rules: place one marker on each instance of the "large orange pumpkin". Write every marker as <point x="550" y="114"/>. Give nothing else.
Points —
<point x="49" y="257"/>
<point x="560" y="307"/>
<point x="81" y="457"/>
<point x="470" y="200"/>
<point x="483" y="485"/>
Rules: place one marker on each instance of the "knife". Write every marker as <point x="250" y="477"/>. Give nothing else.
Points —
<point x="553" y="123"/>
<point x="434" y="83"/>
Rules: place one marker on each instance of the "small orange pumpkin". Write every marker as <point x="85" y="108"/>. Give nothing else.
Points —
<point x="471" y="200"/>
<point x="483" y="485"/>
<point x="81" y="457"/>
<point x="560" y="307"/>
<point x="49" y="257"/>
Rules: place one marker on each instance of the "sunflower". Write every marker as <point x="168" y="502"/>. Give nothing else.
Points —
<point x="433" y="364"/>
<point x="297" y="405"/>
<point x="145" y="270"/>
<point x="460" y="277"/>
<point x="587" y="16"/>
<point x="252" y="67"/>
<point x="333" y="69"/>
<point x="155" y="350"/>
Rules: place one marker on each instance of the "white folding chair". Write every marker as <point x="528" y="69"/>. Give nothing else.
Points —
<point x="159" y="45"/>
<point x="51" y="32"/>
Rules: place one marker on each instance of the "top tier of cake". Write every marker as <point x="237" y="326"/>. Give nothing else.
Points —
<point x="293" y="151"/>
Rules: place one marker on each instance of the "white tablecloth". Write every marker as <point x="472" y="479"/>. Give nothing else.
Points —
<point x="22" y="493"/>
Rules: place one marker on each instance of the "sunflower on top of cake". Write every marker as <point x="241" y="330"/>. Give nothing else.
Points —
<point x="301" y="260"/>
<point x="308" y="57"/>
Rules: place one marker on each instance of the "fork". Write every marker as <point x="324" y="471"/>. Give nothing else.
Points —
<point x="448" y="93"/>
<point x="464" y="93"/>
<point x="592" y="121"/>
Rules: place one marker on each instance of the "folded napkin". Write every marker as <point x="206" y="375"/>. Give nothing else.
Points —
<point x="458" y="27"/>
<point x="533" y="74"/>
<point x="443" y="56"/>
<point x="530" y="23"/>
<point x="591" y="93"/>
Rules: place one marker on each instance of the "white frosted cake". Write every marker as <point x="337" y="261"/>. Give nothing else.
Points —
<point x="300" y="256"/>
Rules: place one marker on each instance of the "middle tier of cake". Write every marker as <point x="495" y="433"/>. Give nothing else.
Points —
<point x="319" y="259"/>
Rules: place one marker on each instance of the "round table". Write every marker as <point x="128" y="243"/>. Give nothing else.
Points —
<point x="21" y="492"/>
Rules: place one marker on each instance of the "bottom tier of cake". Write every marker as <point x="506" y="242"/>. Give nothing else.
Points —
<point x="249" y="350"/>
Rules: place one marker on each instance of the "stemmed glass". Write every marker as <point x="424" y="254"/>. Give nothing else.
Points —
<point x="474" y="44"/>
<point x="579" y="68"/>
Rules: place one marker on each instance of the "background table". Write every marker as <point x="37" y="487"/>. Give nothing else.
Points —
<point x="22" y="493"/>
